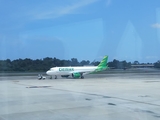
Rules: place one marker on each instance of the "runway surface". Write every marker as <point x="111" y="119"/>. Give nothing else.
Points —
<point x="97" y="97"/>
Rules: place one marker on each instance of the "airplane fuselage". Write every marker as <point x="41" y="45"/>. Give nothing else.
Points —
<point x="77" y="71"/>
<point x="70" y="70"/>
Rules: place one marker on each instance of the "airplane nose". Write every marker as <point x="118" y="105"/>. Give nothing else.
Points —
<point x="47" y="72"/>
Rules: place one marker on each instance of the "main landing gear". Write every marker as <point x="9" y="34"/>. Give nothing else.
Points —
<point x="54" y="77"/>
<point x="82" y="77"/>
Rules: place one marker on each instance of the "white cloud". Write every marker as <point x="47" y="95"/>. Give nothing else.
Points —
<point x="61" y="10"/>
<point x="157" y="25"/>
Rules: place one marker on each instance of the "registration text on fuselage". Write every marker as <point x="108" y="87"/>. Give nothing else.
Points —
<point x="66" y="69"/>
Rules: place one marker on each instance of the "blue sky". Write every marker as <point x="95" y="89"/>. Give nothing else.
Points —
<point x="84" y="29"/>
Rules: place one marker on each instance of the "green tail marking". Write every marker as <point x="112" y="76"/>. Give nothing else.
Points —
<point x="102" y="65"/>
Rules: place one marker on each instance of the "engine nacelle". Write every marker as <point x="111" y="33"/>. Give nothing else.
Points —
<point x="76" y="75"/>
<point x="64" y="75"/>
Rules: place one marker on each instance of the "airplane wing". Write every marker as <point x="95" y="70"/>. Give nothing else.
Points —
<point x="77" y="74"/>
<point x="81" y="72"/>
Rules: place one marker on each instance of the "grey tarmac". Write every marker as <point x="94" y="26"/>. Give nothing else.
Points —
<point x="97" y="97"/>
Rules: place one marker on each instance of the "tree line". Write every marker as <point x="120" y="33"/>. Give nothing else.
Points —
<point x="40" y="64"/>
<point x="29" y="65"/>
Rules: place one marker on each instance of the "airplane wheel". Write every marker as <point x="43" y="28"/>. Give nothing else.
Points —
<point x="82" y="77"/>
<point x="55" y="77"/>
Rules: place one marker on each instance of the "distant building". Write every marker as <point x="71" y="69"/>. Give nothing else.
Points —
<point x="143" y="66"/>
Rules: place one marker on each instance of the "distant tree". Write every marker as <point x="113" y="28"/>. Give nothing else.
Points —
<point x="157" y="64"/>
<point x="129" y="65"/>
<point x="47" y="63"/>
<point x="66" y="62"/>
<point x="37" y="65"/>
<point x="124" y="64"/>
<point x="74" y="62"/>
<point x="95" y="63"/>
<point x="4" y="65"/>
<point x="44" y="64"/>
<point x="83" y="62"/>
<point x="136" y="63"/>
<point x="116" y="64"/>
<point x="57" y="62"/>
<point x="110" y="64"/>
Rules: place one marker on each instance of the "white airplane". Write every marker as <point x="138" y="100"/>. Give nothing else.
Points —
<point x="78" y="71"/>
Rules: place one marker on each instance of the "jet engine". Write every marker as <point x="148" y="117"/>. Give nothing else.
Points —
<point x="65" y="76"/>
<point x="76" y="75"/>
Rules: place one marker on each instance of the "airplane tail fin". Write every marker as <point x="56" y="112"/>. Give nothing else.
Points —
<point x="104" y="61"/>
<point x="102" y="65"/>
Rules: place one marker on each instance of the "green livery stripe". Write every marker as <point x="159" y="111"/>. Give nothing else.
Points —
<point x="103" y="63"/>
